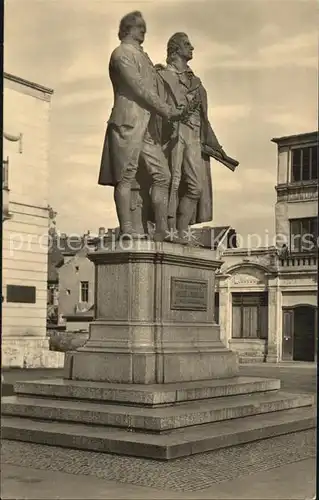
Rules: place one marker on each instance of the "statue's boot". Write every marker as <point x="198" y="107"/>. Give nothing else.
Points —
<point x="122" y="198"/>
<point x="160" y="207"/>
<point x="172" y="234"/>
<point x="165" y="229"/>
<point x="186" y="211"/>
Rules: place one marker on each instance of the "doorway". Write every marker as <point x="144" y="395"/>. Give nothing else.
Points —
<point x="299" y="333"/>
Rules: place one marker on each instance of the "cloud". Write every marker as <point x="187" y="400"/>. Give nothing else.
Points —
<point x="266" y="63"/>
<point x="226" y="181"/>
<point x="257" y="60"/>
<point x="248" y="175"/>
<point x="230" y="113"/>
<point x="269" y="31"/>
<point x="299" y="50"/>
<point x="210" y="53"/>
<point x="286" y="121"/>
<point x="86" y="96"/>
<point x="83" y="65"/>
<point x="299" y="42"/>
<point x="80" y="212"/>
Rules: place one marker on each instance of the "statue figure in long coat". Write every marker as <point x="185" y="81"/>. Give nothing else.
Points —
<point x="129" y="138"/>
<point x="188" y="144"/>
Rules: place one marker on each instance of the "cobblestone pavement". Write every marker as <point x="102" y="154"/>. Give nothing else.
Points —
<point x="295" y="481"/>
<point x="182" y="475"/>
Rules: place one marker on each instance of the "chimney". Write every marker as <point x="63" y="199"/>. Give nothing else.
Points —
<point x="101" y="232"/>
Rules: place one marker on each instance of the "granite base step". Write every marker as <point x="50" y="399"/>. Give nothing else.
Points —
<point x="145" y="395"/>
<point x="178" y="443"/>
<point x="153" y="421"/>
<point x="158" y="419"/>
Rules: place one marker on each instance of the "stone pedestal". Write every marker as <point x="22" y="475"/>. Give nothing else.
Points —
<point x="153" y="380"/>
<point x="154" y="318"/>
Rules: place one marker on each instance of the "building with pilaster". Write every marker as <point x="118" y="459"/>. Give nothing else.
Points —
<point x="25" y="216"/>
<point x="268" y="296"/>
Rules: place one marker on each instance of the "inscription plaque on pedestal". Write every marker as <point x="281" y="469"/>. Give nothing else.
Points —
<point x="190" y="295"/>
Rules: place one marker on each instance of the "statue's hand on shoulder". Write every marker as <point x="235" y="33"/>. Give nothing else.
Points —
<point x="179" y="113"/>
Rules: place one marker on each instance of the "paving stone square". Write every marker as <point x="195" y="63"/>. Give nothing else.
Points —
<point x="191" y="474"/>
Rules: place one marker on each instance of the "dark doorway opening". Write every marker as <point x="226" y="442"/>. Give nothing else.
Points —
<point x="299" y="333"/>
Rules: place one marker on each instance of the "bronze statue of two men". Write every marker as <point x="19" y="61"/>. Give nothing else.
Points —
<point x="158" y="141"/>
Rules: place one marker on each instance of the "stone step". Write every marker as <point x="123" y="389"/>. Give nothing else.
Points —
<point x="153" y="419"/>
<point x="177" y="443"/>
<point x="141" y="394"/>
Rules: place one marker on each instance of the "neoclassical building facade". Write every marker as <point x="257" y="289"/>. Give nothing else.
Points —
<point x="267" y="297"/>
<point x="25" y="216"/>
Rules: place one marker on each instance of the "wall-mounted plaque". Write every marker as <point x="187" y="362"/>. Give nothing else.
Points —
<point x="21" y="294"/>
<point x="189" y="295"/>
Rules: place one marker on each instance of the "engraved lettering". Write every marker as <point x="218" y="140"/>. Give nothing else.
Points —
<point x="189" y="295"/>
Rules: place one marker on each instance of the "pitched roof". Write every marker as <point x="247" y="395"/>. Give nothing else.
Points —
<point x="60" y="247"/>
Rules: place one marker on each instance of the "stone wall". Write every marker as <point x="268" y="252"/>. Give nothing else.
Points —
<point x="249" y="350"/>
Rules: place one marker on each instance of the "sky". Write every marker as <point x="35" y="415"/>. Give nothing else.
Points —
<point x="258" y="60"/>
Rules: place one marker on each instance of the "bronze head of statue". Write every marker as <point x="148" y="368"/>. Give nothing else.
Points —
<point x="179" y="46"/>
<point x="132" y="26"/>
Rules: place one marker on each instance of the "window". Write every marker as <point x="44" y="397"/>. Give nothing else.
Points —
<point x="250" y="315"/>
<point x="303" y="234"/>
<point x="84" y="292"/>
<point x="304" y="164"/>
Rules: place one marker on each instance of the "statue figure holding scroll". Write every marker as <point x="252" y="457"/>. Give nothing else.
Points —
<point x="190" y="143"/>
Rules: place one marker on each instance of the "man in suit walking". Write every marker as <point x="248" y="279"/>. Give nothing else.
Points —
<point x="130" y="135"/>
